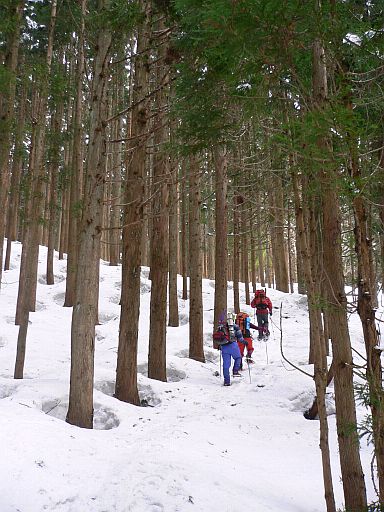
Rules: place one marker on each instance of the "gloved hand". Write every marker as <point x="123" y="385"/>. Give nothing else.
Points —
<point x="270" y="314"/>
<point x="245" y="342"/>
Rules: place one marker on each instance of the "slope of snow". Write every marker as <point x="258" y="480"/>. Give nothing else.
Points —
<point x="197" y="446"/>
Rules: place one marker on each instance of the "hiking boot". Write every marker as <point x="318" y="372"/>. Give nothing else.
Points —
<point x="227" y="383"/>
<point x="236" y="374"/>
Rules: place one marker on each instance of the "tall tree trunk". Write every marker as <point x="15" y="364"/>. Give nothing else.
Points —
<point x="196" y="347"/>
<point x="184" y="229"/>
<point x="351" y="470"/>
<point x="53" y="179"/>
<point x="84" y="315"/>
<point x="221" y="228"/>
<point x="236" y="253"/>
<point x="159" y="237"/>
<point x="16" y="173"/>
<point x="244" y="250"/>
<point x="290" y="258"/>
<point x="173" y="320"/>
<point x="126" y="372"/>
<point x="260" y="248"/>
<point x="366" y="310"/>
<point x="30" y="251"/>
<point x="116" y="174"/>
<point x="320" y="360"/>
<point x="253" y="260"/>
<point x="63" y="222"/>
<point x="352" y="474"/>
<point x="301" y="287"/>
<point x="279" y="249"/>
<point x="7" y="103"/>
<point x="76" y="169"/>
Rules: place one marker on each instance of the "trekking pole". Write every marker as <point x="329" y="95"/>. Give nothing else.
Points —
<point x="249" y="371"/>
<point x="273" y="331"/>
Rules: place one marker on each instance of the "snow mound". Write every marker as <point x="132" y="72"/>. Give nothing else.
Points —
<point x="105" y="317"/>
<point x="148" y="397"/>
<point x="183" y="319"/>
<point x="40" y="306"/>
<point x="7" y="390"/>
<point x="115" y="299"/>
<point x="183" y="353"/>
<point x="105" y="386"/>
<point x="59" y="298"/>
<point x="144" y="287"/>
<point x="304" y="400"/>
<point x="302" y="302"/>
<point x="58" y="278"/>
<point x="104" y="418"/>
<point x="175" y="375"/>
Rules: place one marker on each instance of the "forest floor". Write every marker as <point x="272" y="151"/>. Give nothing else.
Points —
<point x="197" y="446"/>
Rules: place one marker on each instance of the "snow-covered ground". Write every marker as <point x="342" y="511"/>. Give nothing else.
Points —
<point x="197" y="446"/>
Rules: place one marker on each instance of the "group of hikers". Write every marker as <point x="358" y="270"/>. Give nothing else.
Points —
<point x="232" y="337"/>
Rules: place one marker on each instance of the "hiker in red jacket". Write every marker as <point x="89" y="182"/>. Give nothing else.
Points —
<point x="263" y="306"/>
<point x="245" y="324"/>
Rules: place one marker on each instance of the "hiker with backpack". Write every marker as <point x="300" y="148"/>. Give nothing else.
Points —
<point x="244" y="322"/>
<point x="226" y="339"/>
<point x="263" y="306"/>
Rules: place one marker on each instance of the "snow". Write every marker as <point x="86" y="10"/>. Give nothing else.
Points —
<point x="197" y="446"/>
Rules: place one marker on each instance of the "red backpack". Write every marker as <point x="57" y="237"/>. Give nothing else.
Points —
<point x="260" y="302"/>
<point x="243" y="321"/>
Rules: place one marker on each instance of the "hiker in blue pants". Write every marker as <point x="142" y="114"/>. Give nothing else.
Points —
<point x="228" y="351"/>
<point x="225" y="339"/>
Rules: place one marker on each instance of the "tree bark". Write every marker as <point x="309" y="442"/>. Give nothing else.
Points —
<point x="80" y="411"/>
<point x="244" y="251"/>
<point x="12" y="231"/>
<point x="56" y="127"/>
<point x="173" y="318"/>
<point x="159" y="238"/>
<point x="116" y="173"/>
<point x="352" y="474"/>
<point x="126" y="372"/>
<point x="260" y="248"/>
<point x="236" y="254"/>
<point x="351" y="470"/>
<point x="184" y="230"/>
<point x="196" y="346"/>
<point x="279" y="249"/>
<point x="320" y="360"/>
<point x="221" y="244"/>
<point x="7" y="105"/>
<point x="76" y="169"/>
<point x="366" y="311"/>
<point x="30" y="250"/>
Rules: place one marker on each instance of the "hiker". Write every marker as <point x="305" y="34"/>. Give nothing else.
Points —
<point x="225" y="339"/>
<point x="263" y="306"/>
<point x="244" y="322"/>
